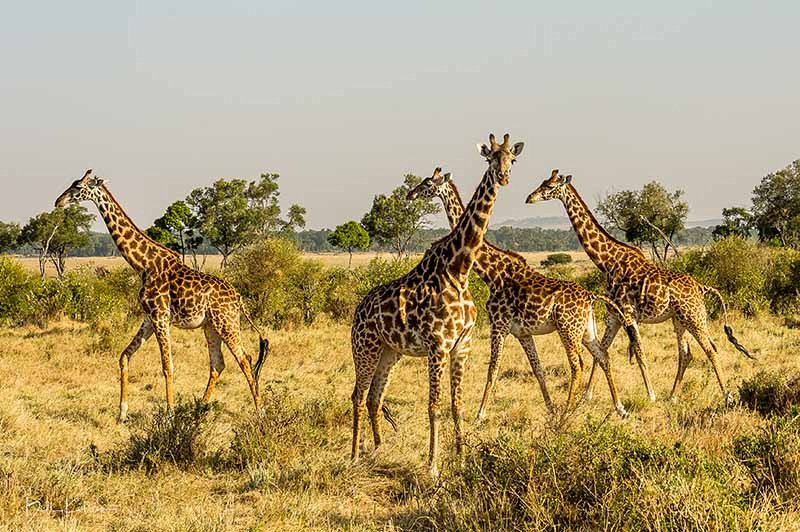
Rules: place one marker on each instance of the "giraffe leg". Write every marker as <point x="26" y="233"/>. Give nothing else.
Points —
<point x="436" y="362"/>
<point x="572" y="347"/>
<point x="643" y="366"/>
<point x="366" y="354"/>
<point x="233" y="339"/>
<point x="500" y="330"/>
<point x="145" y="331"/>
<point x="612" y="327"/>
<point x="377" y="390"/>
<point x="458" y="360"/>
<point x="529" y="346"/>
<point x="161" y="330"/>
<point x="600" y="355"/>
<point x="700" y="333"/>
<point x="216" y="361"/>
<point x="684" y="356"/>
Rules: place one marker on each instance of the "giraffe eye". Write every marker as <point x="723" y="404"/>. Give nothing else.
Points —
<point x="513" y="161"/>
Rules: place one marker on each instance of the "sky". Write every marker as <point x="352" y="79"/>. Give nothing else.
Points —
<point x="344" y="98"/>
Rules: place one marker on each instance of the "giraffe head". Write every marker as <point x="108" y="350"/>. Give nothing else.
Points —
<point x="86" y="188"/>
<point x="500" y="156"/>
<point x="552" y="188"/>
<point x="431" y="187"/>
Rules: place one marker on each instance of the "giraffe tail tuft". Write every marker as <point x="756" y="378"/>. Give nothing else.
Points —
<point x="389" y="417"/>
<point x="263" y="351"/>
<point x="732" y="339"/>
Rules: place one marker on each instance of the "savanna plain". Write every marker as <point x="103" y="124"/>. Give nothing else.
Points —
<point x="689" y="464"/>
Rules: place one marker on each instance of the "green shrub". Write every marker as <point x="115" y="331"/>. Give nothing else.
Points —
<point x="556" y="258"/>
<point x="593" y="281"/>
<point x="769" y="393"/>
<point x="734" y="266"/>
<point x="782" y="286"/>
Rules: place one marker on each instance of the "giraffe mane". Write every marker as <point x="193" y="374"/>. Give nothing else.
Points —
<point x="597" y="224"/>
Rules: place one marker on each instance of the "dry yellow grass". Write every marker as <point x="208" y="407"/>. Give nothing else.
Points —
<point x="60" y="396"/>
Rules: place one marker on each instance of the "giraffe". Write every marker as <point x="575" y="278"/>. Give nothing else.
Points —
<point x="428" y="312"/>
<point x="171" y="293"/>
<point x="525" y="303"/>
<point x="640" y="288"/>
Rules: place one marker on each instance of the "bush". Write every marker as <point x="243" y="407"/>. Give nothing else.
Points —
<point x="556" y="258"/>
<point x="772" y="458"/>
<point x="599" y="477"/>
<point x="782" y="286"/>
<point x="769" y="393"/>
<point x="176" y="436"/>
<point x="734" y="266"/>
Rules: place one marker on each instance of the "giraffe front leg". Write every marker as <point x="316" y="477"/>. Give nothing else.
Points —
<point x="161" y="329"/>
<point x="144" y="332"/>
<point x="499" y="332"/>
<point x="458" y="361"/>
<point x="436" y="363"/>
<point x="601" y="356"/>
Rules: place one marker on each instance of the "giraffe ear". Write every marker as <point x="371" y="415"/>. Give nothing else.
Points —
<point x="446" y="177"/>
<point x="566" y="180"/>
<point x="516" y="149"/>
<point x="484" y="150"/>
<point x="86" y="176"/>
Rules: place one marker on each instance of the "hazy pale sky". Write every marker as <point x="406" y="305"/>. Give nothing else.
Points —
<point x="343" y="98"/>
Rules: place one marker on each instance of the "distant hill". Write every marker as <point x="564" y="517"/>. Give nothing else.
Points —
<point x="562" y="222"/>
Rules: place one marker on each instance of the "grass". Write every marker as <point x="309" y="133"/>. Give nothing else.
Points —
<point x="688" y="465"/>
<point x="213" y="262"/>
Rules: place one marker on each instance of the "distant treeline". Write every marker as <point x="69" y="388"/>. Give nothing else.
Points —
<point x="316" y="241"/>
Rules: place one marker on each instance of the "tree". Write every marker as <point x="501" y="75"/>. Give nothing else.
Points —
<point x="9" y="236"/>
<point x="394" y="221"/>
<point x="178" y="230"/>
<point x="652" y="215"/>
<point x="233" y="213"/>
<point x="736" y="221"/>
<point x="53" y="234"/>
<point x="350" y="235"/>
<point x="776" y="206"/>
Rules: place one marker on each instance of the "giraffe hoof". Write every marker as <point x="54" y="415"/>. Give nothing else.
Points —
<point x="433" y="471"/>
<point x="729" y="400"/>
<point x="652" y="396"/>
<point x="481" y="417"/>
<point x="622" y="413"/>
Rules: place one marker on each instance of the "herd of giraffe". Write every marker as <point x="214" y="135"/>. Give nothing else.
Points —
<point x="429" y="312"/>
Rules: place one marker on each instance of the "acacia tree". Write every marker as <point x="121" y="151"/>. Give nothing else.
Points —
<point x="776" y="206"/>
<point x="394" y="221"/>
<point x="178" y="230"/>
<point x="53" y="234"/>
<point x="233" y="213"/>
<point x="350" y="235"/>
<point x="652" y="215"/>
<point x="9" y="236"/>
<point x="736" y="221"/>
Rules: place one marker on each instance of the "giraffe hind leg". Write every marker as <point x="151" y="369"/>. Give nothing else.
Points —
<point x="366" y="354"/>
<point x="216" y="361"/>
<point x="377" y="391"/>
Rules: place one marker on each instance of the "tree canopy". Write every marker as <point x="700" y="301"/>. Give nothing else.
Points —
<point x="394" y="221"/>
<point x="776" y="206"/>
<point x="736" y="221"/>
<point x="652" y="215"/>
<point x="9" y="236"/>
<point x="349" y="236"/>
<point x="233" y="213"/>
<point x="53" y="234"/>
<point x="178" y="229"/>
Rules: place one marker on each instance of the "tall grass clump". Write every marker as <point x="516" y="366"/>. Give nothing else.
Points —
<point x="175" y="436"/>
<point x="770" y="393"/>
<point x="598" y="477"/>
<point x="772" y="458"/>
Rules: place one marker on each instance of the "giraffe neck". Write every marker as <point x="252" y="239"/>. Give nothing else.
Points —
<point x="492" y="264"/>
<point x="466" y="239"/>
<point x="141" y="252"/>
<point x="605" y="251"/>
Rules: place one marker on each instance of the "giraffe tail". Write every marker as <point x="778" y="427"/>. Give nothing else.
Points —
<point x="389" y="417"/>
<point x="263" y="345"/>
<point x="727" y="328"/>
<point x="630" y="327"/>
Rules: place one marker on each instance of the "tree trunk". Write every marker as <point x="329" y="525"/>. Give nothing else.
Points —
<point x="350" y="262"/>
